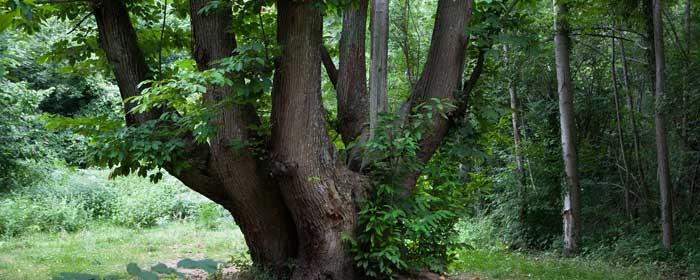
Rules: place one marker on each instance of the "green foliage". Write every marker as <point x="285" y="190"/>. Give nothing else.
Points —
<point x="24" y="214"/>
<point x="146" y="207"/>
<point x="70" y="200"/>
<point x="406" y="233"/>
<point x="19" y="131"/>
<point x="155" y="144"/>
<point x="209" y="215"/>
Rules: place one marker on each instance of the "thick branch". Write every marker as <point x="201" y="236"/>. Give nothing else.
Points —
<point x="255" y="200"/>
<point x="441" y="76"/>
<point x="118" y="40"/>
<point x="468" y="86"/>
<point x="353" y="102"/>
<point x="329" y="65"/>
<point x="318" y="189"/>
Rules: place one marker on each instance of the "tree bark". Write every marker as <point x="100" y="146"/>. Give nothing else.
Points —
<point x="229" y="178"/>
<point x="571" y="211"/>
<point x="663" y="168"/>
<point x="119" y="42"/>
<point x="441" y="77"/>
<point x="255" y="200"/>
<point x="330" y="66"/>
<point x="319" y="190"/>
<point x="378" y="97"/>
<point x="353" y="101"/>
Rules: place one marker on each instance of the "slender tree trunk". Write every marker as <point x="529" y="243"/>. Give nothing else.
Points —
<point x="378" y="97"/>
<point x="120" y="44"/>
<point x="515" y="110"/>
<point x="515" y="120"/>
<point x="571" y="212"/>
<point x="406" y="43"/>
<point x="663" y="168"/>
<point x="686" y="178"/>
<point x="686" y="73"/>
<point x="618" y="125"/>
<point x="642" y="183"/>
<point x="330" y="66"/>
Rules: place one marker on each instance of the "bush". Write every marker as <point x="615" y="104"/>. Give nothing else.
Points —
<point x="67" y="200"/>
<point x="415" y="233"/>
<point x="209" y="215"/>
<point x="150" y="204"/>
<point x="21" y="214"/>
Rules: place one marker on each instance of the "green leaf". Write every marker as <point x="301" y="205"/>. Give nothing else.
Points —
<point x="6" y="20"/>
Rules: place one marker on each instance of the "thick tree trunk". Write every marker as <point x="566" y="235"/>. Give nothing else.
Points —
<point x="571" y="211"/>
<point x="663" y="168"/>
<point x="255" y="200"/>
<point x="353" y="101"/>
<point x="378" y="97"/>
<point x="318" y="189"/>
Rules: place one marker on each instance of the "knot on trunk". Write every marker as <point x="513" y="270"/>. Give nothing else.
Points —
<point x="279" y="168"/>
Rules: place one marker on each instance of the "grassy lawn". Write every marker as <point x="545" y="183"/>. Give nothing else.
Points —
<point x="106" y="250"/>
<point x="512" y="265"/>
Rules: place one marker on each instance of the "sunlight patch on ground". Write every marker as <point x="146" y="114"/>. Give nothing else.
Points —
<point x="106" y="250"/>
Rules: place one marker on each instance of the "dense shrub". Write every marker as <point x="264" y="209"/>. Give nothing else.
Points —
<point x="68" y="200"/>
<point x="414" y="233"/>
<point x="23" y="214"/>
<point x="149" y="206"/>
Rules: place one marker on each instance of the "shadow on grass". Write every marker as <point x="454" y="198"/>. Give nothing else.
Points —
<point x="84" y="276"/>
<point x="207" y="265"/>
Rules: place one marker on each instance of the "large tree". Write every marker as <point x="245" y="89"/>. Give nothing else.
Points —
<point x="293" y="196"/>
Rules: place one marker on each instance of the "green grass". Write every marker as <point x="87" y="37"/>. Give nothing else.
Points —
<point x="499" y="264"/>
<point x="107" y="249"/>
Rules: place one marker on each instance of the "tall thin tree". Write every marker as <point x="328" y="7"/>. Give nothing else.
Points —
<point x="663" y="166"/>
<point x="571" y="212"/>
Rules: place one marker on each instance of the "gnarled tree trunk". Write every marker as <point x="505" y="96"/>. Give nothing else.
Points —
<point x="297" y="201"/>
<point x="319" y="190"/>
<point x="255" y="199"/>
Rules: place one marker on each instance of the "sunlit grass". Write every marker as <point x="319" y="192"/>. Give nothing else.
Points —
<point x="106" y="249"/>
<point x="512" y="265"/>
